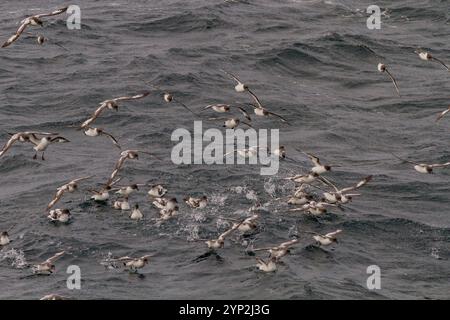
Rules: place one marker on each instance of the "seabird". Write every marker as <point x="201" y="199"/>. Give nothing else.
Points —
<point x="248" y="224"/>
<point x="95" y="132"/>
<point x="428" y="57"/>
<point x="168" y="97"/>
<point x="42" y="145"/>
<point x="342" y="195"/>
<point x="308" y="178"/>
<point x="157" y="191"/>
<point x="259" y="110"/>
<point x="220" y="241"/>
<point x="222" y="108"/>
<point x="41" y="40"/>
<point x="423" y="167"/>
<point x="196" y="203"/>
<point x="34" y="20"/>
<point x="4" y="238"/>
<point x="136" y="214"/>
<point x="126" y="191"/>
<point x="71" y="186"/>
<point x="278" y="252"/>
<point x="28" y="136"/>
<point x="127" y="154"/>
<point x="47" y="267"/>
<point x="300" y="197"/>
<point x="123" y="205"/>
<point x="315" y="208"/>
<point x="60" y="215"/>
<point x="101" y="195"/>
<point x="269" y="266"/>
<point x="232" y="123"/>
<point x="263" y="112"/>
<point x="167" y="213"/>
<point x="163" y="203"/>
<point x="318" y="167"/>
<point x="383" y="68"/>
<point x="133" y="264"/>
<point x="112" y="104"/>
<point x="326" y="239"/>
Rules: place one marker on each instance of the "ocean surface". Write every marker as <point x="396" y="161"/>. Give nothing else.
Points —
<point x="313" y="62"/>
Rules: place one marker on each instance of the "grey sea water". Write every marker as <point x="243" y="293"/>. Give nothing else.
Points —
<point x="314" y="62"/>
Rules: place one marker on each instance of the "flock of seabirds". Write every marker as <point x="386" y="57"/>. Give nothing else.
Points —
<point x="304" y="200"/>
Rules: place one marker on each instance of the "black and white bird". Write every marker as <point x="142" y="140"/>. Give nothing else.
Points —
<point x="383" y="68"/>
<point x="428" y="57"/>
<point x="111" y="104"/>
<point x="34" y="20"/>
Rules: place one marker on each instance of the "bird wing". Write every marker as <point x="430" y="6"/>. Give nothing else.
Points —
<point x="441" y="62"/>
<point x="332" y="235"/>
<point x="288" y="243"/>
<point x="232" y="76"/>
<point x="114" y="140"/>
<point x="16" y="36"/>
<point x="57" y="197"/>
<point x="94" y="116"/>
<point x="53" y="13"/>
<point x="358" y="185"/>
<point x="277" y="115"/>
<point x="442" y="114"/>
<point x="315" y="160"/>
<point x="245" y="113"/>
<point x="55" y="257"/>
<point x="59" y="139"/>
<point x="258" y="102"/>
<point x="226" y="233"/>
<point x="440" y="165"/>
<point x="135" y="97"/>
<point x="393" y="81"/>
<point x="80" y="179"/>
<point x="10" y="142"/>
<point x="184" y="106"/>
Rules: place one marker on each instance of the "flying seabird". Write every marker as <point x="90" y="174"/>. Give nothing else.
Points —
<point x="222" y="108"/>
<point x="68" y="187"/>
<point x="34" y="20"/>
<point x="48" y="266"/>
<point x="220" y="241"/>
<point x="127" y="154"/>
<point x="278" y="252"/>
<point x="308" y="178"/>
<point x="342" y="195"/>
<point x="423" y="167"/>
<point x="28" y="136"/>
<point x="168" y="97"/>
<point x="428" y="57"/>
<point x="383" y="68"/>
<point x="112" y="104"/>
<point x="326" y="239"/>
<point x="248" y="224"/>
<point x="95" y="132"/>
<point x="318" y="167"/>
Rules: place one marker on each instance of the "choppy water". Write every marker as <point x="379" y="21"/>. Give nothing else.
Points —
<point x="311" y="61"/>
